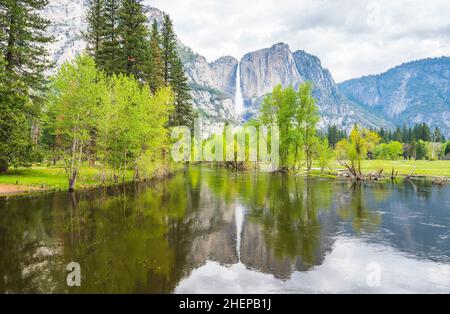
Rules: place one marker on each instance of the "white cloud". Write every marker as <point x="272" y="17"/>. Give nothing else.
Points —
<point x="351" y="37"/>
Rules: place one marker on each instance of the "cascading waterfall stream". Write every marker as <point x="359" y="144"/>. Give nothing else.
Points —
<point x="238" y="99"/>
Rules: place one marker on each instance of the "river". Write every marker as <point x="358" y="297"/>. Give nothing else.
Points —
<point x="210" y="230"/>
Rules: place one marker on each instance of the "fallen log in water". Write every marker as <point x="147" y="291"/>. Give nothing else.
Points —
<point x="439" y="181"/>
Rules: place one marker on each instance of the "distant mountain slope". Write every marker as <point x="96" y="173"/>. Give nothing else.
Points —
<point x="411" y="93"/>
<point x="263" y="69"/>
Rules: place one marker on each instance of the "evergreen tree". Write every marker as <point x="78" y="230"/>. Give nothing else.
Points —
<point x="404" y="134"/>
<point x="421" y="151"/>
<point x="96" y="27"/>
<point x="332" y="135"/>
<point x="15" y="145"/>
<point x="22" y="42"/>
<point x="175" y="76"/>
<point x="134" y="38"/>
<point x="24" y="60"/>
<point x="109" y="57"/>
<point x="183" y="113"/>
<point x="156" y="63"/>
<point x="425" y="133"/>
<point x="169" y="46"/>
<point x="397" y="136"/>
<point x="437" y="136"/>
<point x="447" y="149"/>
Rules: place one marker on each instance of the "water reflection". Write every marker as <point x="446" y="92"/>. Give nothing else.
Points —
<point x="210" y="230"/>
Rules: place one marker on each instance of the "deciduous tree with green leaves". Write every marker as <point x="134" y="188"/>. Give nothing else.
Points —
<point x="306" y="119"/>
<point x="350" y="152"/>
<point x="278" y="108"/>
<point x="324" y="153"/>
<point x="78" y="93"/>
<point x="132" y="133"/>
<point x="296" y="114"/>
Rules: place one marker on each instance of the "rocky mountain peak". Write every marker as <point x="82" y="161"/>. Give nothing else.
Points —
<point x="261" y="70"/>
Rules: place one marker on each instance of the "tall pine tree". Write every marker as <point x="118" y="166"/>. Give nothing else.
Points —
<point x="134" y="38"/>
<point x="175" y="76"/>
<point x="23" y="63"/>
<point x="183" y="113"/>
<point x="15" y="144"/>
<point x="109" y="57"/>
<point x="96" y="28"/>
<point x="156" y="64"/>
<point x="169" y="47"/>
<point x="23" y="41"/>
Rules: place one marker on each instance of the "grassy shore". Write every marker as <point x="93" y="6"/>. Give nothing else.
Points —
<point x="439" y="168"/>
<point x="53" y="178"/>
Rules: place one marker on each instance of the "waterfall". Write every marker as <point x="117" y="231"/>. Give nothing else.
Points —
<point x="239" y="221"/>
<point x="239" y="100"/>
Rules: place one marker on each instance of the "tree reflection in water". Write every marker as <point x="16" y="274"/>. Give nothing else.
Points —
<point x="147" y="238"/>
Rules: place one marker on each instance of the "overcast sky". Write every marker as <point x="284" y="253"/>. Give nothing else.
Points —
<point x="351" y="37"/>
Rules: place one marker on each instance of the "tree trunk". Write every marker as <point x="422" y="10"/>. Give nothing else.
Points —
<point x="72" y="181"/>
<point x="3" y="166"/>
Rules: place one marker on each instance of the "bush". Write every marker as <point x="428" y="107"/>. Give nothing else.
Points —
<point x="391" y="151"/>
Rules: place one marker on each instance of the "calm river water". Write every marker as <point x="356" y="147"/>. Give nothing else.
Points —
<point x="215" y="231"/>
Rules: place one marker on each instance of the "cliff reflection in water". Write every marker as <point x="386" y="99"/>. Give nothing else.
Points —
<point x="156" y="238"/>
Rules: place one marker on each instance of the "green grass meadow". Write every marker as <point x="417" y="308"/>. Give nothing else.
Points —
<point x="440" y="168"/>
<point x="53" y="178"/>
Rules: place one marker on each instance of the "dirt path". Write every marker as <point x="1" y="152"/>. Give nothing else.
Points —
<point x="10" y="189"/>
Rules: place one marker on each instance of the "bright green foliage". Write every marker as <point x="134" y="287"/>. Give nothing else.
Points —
<point x="156" y="65"/>
<point x="117" y="122"/>
<point x="15" y="146"/>
<point x="132" y="133"/>
<point x="278" y="108"/>
<point x="306" y="119"/>
<point x="134" y="38"/>
<point x="22" y="39"/>
<point x="78" y="94"/>
<point x="391" y="151"/>
<point x="434" y="150"/>
<point x="324" y="154"/>
<point x="297" y="116"/>
<point x="350" y="152"/>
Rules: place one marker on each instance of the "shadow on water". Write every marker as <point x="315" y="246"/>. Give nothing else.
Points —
<point x="160" y="237"/>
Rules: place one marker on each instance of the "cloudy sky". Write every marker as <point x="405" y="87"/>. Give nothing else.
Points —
<point x="351" y="37"/>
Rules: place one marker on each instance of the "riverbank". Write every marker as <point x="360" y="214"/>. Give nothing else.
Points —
<point x="42" y="179"/>
<point x="439" y="168"/>
<point x="45" y="179"/>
